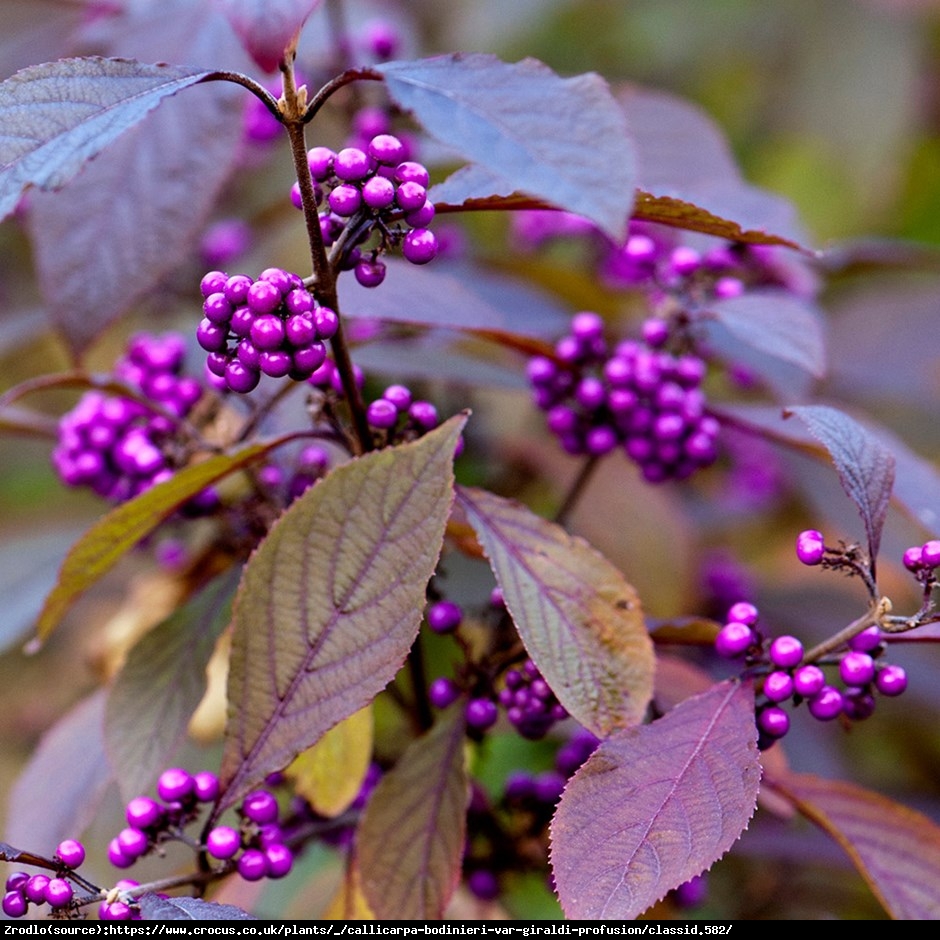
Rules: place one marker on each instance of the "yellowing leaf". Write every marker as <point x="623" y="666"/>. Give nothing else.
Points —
<point x="329" y="775"/>
<point x="349" y="903"/>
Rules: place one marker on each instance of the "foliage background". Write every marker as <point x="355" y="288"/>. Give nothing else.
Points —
<point x="835" y="106"/>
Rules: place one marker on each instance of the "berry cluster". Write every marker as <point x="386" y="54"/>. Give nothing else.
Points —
<point x="638" y="396"/>
<point x="118" y="446"/>
<point x="371" y="190"/>
<point x="787" y="676"/>
<point x="271" y="325"/>
<point x="256" y="849"/>
<point x="530" y="704"/>
<point x="58" y="891"/>
<point x="923" y="561"/>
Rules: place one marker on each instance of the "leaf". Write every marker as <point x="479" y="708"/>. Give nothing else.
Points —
<point x="115" y="534"/>
<point x="656" y="805"/>
<point x="349" y="903"/>
<point x="161" y="684"/>
<point x="329" y="775"/>
<point x="55" y="117"/>
<point x="410" y="840"/>
<point x="331" y="601"/>
<point x="895" y="848"/>
<point x="157" y="907"/>
<point x="579" y="619"/>
<point x="59" y="792"/>
<point x="776" y="323"/>
<point x="266" y="27"/>
<point x="506" y="118"/>
<point x="865" y="466"/>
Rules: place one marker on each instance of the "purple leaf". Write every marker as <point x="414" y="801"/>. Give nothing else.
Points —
<point x="160" y="685"/>
<point x="331" y="601"/>
<point x="55" y="117"/>
<point x="775" y="323"/>
<point x="267" y="27"/>
<point x="683" y="158"/>
<point x="505" y="118"/>
<point x="61" y="788"/>
<point x="579" y="619"/>
<point x="116" y="533"/>
<point x="895" y="848"/>
<point x="865" y="466"/>
<point x="154" y="907"/>
<point x="656" y="805"/>
<point x="411" y="839"/>
<point x="477" y="300"/>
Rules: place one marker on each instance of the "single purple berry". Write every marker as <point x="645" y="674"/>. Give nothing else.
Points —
<point x="930" y="554"/>
<point x="240" y="378"/>
<point x="399" y="396"/>
<point x="260" y="807"/>
<point x="223" y="842"/>
<point x="320" y="162"/>
<point x="382" y="414"/>
<point x="174" y="784"/>
<point x="15" y="904"/>
<point x="548" y="787"/>
<point x="370" y="273"/>
<point x="684" y="260"/>
<point x="212" y="282"/>
<point x="808" y="680"/>
<point x="655" y="332"/>
<point x="143" y="812"/>
<point x="481" y="713"/>
<point x="444" y="616"/>
<point x="913" y="558"/>
<point x="116" y="910"/>
<point x="378" y="192"/>
<point x="345" y="200"/>
<point x="58" y="892"/>
<point x="733" y="639"/>
<point x="381" y="38"/>
<point x="810" y="547"/>
<point x="211" y="337"/>
<point x="866" y="641"/>
<point x="443" y="692"/>
<point x="280" y="860"/>
<point x="276" y="363"/>
<point x="236" y="289"/>
<point x="422" y="216"/>
<point x="424" y="414"/>
<point x="71" y="853"/>
<point x="16" y="881"/>
<point x="118" y="857"/>
<point x="483" y="884"/>
<point x="891" y="680"/>
<point x="858" y="704"/>
<point x="773" y="721"/>
<point x="327" y="322"/>
<point x="35" y="888"/>
<point x="419" y="246"/>
<point x="856" y="668"/>
<point x="826" y="704"/>
<point x="786" y="652"/>
<point x="206" y="786"/>
<point x="253" y="865"/>
<point x="351" y="164"/>
<point x="132" y="842"/>
<point x="778" y="686"/>
<point x="263" y="297"/>
<point x="743" y="612"/>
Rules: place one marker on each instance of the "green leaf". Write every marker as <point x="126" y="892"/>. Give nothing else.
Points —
<point x="410" y="840"/>
<point x="331" y="601"/>
<point x="161" y="684"/>
<point x="109" y="539"/>
<point x="578" y="617"/>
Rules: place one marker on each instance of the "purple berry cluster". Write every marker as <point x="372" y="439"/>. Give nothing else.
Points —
<point x="373" y="189"/>
<point x="788" y="677"/>
<point x="923" y="561"/>
<point x="271" y="326"/>
<point x="637" y="396"/>
<point x="256" y="849"/>
<point x="530" y="704"/>
<point x="57" y="890"/>
<point x="116" y="445"/>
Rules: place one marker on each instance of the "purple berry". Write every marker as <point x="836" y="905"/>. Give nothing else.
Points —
<point x="443" y="692"/>
<point x="14" y="904"/>
<point x="253" y="865"/>
<point x="211" y="337"/>
<point x="866" y="641"/>
<point x="778" y="686"/>
<point x="826" y="704"/>
<point x="810" y="547"/>
<point x="260" y="807"/>
<point x="17" y="881"/>
<point x="422" y="216"/>
<point x="267" y="331"/>
<point x="419" y="246"/>
<point x="206" y="786"/>
<point x="58" y="893"/>
<point x="327" y="322"/>
<point x="808" y="680"/>
<point x="223" y="842"/>
<point x="116" y="910"/>
<point x="345" y="200"/>
<point x="280" y="860"/>
<point x="399" y="396"/>
<point x="773" y="721"/>
<point x="276" y="363"/>
<point x="378" y="192"/>
<point x="174" y="784"/>
<point x="743" y="612"/>
<point x="118" y="857"/>
<point x="483" y="884"/>
<point x="320" y="161"/>
<point x="370" y="273"/>
<point x="143" y="812"/>
<point x="444" y="616"/>
<point x="930" y="554"/>
<point x="913" y="558"/>
<point x="858" y="704"/>
<point x="240" y="378"/>
<point x="35" y="888"/>
<point x="352" y="164"/>
<point x="263" y="297"/>
<point x="786" y="652"/>
<point x="733" y="639"/>
<point x="856" y="668"/>
<point x="132" y="842"/>
<point x="212" y="282"/>
<point x="382" y="414"/>
<point x="71" y="853"/>
<point x="481" y="713"/>
<point x="424" y="414"/>
<point x="891" y="680"/>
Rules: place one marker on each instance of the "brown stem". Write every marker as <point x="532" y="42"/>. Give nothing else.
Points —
<point x="576" y="489"/>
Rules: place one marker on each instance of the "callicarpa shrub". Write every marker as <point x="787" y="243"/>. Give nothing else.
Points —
<point x="413" y="396"/>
